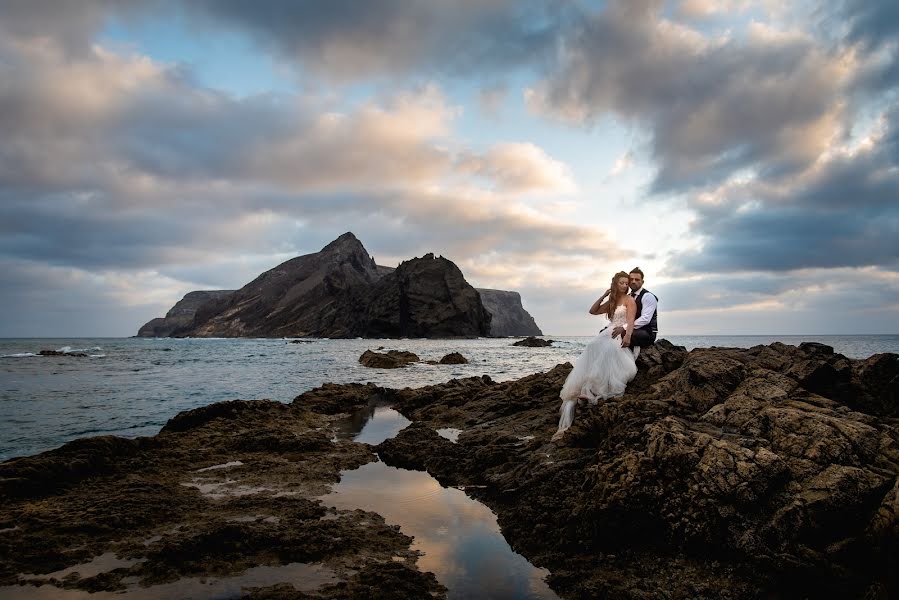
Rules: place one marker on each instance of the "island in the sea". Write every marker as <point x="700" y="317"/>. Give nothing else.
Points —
<point x="340" y="292"/>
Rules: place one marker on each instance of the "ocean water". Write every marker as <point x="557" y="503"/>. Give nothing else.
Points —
<point x="132" y="386"/>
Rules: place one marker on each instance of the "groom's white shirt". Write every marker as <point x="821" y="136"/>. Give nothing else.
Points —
<point x="649" y="307"/>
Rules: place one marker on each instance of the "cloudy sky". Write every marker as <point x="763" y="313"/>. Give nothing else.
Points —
<point x="744" y="154"/>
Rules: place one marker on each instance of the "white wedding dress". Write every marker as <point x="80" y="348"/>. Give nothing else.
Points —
<point x="602" y="371"/>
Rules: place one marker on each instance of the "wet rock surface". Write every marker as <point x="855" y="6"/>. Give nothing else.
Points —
<point x="721" y="473"/>
<point x="219" y="491"/>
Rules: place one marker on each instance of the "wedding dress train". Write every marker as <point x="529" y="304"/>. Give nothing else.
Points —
<point x="602" y="371"/>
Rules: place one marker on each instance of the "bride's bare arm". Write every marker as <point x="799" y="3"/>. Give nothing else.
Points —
<point x="599" y="306"/>
<point x="631" y="308"/>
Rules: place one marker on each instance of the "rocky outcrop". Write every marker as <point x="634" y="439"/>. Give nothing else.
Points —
<point x="424" y="297"/>
<point x="339" y="292"/>
<point x="302" y="297"/>
<point x="453" y="358"/>
<point x="219" y="491"/>
<point x="768" y="472"/>
<point x="392" y="359"/>
<point x="508" y="316"/>
<point x="721" y="473"/>
<point x="533" y="342"/>
<point x="182" y="314"/>
<point x="59" y="353"/>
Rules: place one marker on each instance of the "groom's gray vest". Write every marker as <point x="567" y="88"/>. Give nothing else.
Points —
<point x="653" y="325"/>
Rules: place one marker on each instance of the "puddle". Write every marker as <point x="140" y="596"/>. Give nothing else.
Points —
<point x="372" y="425"/>
<point x="303" y="577"/>
<point x="458" y="537"/>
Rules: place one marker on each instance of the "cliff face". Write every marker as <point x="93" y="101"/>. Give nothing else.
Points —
<point x="423" y="297"/>
<point x="340" y="292"/>
<point x="509" y="318"/>
<point x="300" y="297"/>
<point x="182" y="314"/>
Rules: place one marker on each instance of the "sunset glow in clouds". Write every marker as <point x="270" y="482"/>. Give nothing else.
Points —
<point x="744" y="154"/>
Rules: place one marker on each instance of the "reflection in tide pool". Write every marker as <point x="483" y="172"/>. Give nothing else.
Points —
<point x="372" y="425"/>
<point x="458" y="537"/>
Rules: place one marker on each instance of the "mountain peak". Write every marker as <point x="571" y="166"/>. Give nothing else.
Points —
<point x="347" y="240"/>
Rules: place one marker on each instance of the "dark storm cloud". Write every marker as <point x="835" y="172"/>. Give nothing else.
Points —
<point x="873" y="26"/>
<point x="872" y="22"/>
<point x="713" y="106"/>
<point x="844" y="214"/>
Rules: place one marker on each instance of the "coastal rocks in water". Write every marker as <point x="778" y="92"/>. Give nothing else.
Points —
<point x="59" y="353"/>
<point x="533" y="342"/>
<point x="392" y="359"/>
<point x="220" y="492"/>
<point x="718" y="474"/>
<point x="508" y="316"/>
<point x="453" y="358"/>
<point x="340" y="292"/>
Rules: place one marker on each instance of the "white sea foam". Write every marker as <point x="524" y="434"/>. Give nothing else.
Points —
<point x="19" y="355"/>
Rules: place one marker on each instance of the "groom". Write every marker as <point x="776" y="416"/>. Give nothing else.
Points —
<point x="646" y="325"/>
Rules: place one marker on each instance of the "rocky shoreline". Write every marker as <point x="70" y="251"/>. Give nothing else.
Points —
<point x="721" y="473"/>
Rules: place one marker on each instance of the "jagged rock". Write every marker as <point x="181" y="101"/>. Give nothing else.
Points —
<point x="220" y="490"/>
<point x="58" y="353"/>
<point x="719" y="473"/>
<point x="508" y="316"/>
<point x="392" y="359"/>
<point x="338" y="292"/>
<point x="533" y="342"/>
<point x="453" y="358"/>
<point x="182" y="314"/>
<point x="423" y="297"/>
<point x="298" y="298"/>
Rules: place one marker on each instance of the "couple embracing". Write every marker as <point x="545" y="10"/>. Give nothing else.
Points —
<point x="608" y="362"/>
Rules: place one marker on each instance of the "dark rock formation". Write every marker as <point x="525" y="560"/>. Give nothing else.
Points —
<point x="532" y="342"/>
<point x="423" y="297"/>
<point x="182" y="314"/>
<point x="508" y="316"/>
<point x="222" y="489"/>
<point x="299" y="298"/>
<point x="392" y="359"/>
<point x="453" y="358"/>
<point x="340" y="292"/>
<point x="58" y="353"/>
<point x="721" y="473"/>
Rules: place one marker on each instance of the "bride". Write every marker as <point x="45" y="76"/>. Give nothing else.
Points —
<point x="607" y="364"/>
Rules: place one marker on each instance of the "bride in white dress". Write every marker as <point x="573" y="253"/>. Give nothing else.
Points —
<point x="607" y="364"/>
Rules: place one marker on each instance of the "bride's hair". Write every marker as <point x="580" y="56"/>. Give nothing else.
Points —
<point x="614" y="296"/>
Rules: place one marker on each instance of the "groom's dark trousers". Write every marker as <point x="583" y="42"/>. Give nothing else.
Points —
<point x="643" y="337"/>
